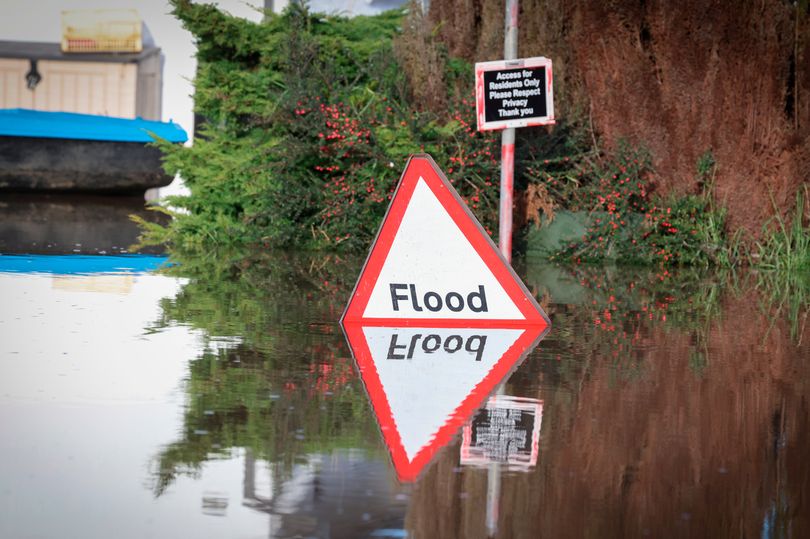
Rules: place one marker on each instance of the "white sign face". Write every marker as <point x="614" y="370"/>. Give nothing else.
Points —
<point x="432" y="271"/>
<point x="424" y="382"/>
<point x="432" y="260"/>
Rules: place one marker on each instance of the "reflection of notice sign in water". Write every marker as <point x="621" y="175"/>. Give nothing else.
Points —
<point x="515" y="93"/>
<point x="506" y="431"/>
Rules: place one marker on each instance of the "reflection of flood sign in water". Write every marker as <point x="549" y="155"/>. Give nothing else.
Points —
<point x="437" y="319"/>
<point x="506" y="431"/>
<point x="425" y="382"/>
<point x="433" y="260"/>
<point x="514" y="93"/>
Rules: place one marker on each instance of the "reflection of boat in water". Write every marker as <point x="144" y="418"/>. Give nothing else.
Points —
<point x="59" y="151"/>
<point x="327" y="495"/>
<point x="81" y="265"/>
<point x="69" y="224"/>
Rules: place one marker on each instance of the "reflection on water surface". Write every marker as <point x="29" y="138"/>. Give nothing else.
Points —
<point x="219" y="399"/>
<point x="71" y="223"/>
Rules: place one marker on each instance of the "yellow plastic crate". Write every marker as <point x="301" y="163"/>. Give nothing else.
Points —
<point x="101" y="30"/>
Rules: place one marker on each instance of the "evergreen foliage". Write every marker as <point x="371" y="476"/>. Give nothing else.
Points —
<point x="308" y="124"/>
<point x="309" y="120"/>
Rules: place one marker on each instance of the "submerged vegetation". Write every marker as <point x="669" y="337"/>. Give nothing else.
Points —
<point x="786" y="245"/>
<point x="627" y="220"/>
<point x="308" y="120"/>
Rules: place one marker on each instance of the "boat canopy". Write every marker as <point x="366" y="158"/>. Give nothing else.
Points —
<point x="69" y="125"/>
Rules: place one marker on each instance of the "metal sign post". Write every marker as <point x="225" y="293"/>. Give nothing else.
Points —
<point x="510" y="93"/>
<point x="508" y="142"/>
<point x="510" y="36"/>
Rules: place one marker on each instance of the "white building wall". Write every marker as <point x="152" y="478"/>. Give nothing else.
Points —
<point x="106" y="89"/>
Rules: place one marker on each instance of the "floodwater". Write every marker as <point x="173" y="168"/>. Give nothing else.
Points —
<point x="218" y="397"/>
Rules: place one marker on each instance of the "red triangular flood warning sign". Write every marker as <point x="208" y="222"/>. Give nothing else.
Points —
<point x="437" y="319"/>
<point x="432" y="260"/>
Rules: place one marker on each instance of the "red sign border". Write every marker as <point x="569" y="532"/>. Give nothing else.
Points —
<point x="537" y="61"/>
<point x="409" y="470"/>
<point x="423" y="165"/>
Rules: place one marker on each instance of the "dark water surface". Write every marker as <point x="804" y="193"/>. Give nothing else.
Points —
<point x="219" y="399"/>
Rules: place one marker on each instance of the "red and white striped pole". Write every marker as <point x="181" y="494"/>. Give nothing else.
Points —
<point x="508" y="142"/>
<point x="504" y="240"/>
